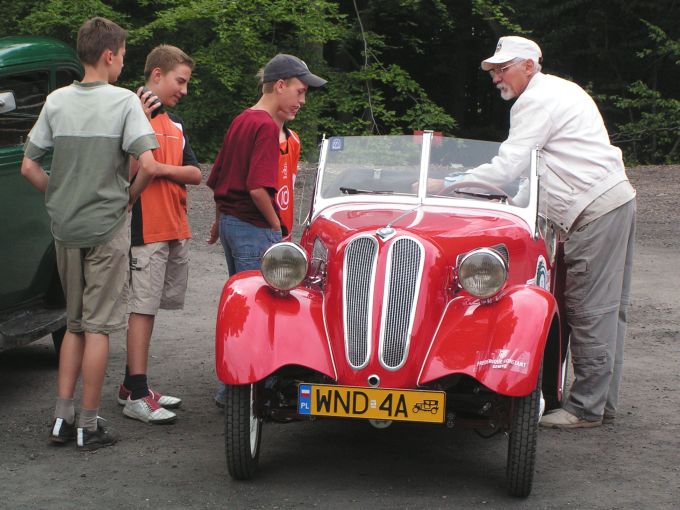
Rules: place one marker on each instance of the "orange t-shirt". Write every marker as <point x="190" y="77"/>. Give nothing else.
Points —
<point x="288" y="162"/>
<point x="160" y="214"/>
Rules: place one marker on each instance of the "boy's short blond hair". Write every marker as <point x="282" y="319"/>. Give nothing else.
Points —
<point x="265" y="88"/>
<point x="97" y="35"/>
<point x="166" y="58"/>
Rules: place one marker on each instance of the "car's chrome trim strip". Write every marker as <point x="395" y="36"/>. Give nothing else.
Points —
<point x="434" y="337"/>
<point x="358" y="282"/>
<point x="317" y="205"/>
<point x="328" y="336"/>
<point x="424" y="164"/>
<point x="403" y="274"/>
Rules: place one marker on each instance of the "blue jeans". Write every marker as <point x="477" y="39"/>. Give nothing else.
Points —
<point x="244" y="244"/>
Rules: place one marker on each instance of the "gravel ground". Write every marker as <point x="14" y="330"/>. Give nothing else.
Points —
<point x="630" y="464"/>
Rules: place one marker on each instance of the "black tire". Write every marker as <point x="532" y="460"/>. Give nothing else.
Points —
<point x="242" y="431"/>
<point x="522" y="442"/>
<point x="57" y="339"/>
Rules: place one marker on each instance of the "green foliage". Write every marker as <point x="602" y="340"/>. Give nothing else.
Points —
<point x="664" y="46"/>
<point x="499" y="12"/>
<point x="654" y="134"/>
<point x="628" y="51"/>
<point x="375" y="93"/>
<point x="229" y="41"/>
<point x="62" y="18"/>
<point x="384" y="100"/>
<point x="395" y="66"/>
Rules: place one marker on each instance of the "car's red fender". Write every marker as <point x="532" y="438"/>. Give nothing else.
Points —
<point x="259" y="331"/>
<point x="499" y="344"/>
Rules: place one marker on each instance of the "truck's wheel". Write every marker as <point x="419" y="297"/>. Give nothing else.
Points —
<point x="522" y="442"/>
<point x="242" y="431"/>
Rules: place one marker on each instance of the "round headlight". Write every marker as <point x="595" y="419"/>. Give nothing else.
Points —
<point x="482" y="272"/>
<point x="284" y="265"/>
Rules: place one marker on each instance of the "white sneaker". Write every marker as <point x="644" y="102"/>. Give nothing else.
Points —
<point x="147" y="410"/>
<point x="165" y="400"/>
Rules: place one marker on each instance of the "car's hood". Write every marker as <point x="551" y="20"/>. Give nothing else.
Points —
<point x="432" y="238"/>
<point x="448" y="232"/>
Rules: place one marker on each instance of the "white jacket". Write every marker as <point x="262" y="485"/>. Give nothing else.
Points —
<point x="562" y="120"/>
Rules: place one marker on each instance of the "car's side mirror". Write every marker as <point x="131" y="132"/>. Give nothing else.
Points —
<point x="7" y="102"/>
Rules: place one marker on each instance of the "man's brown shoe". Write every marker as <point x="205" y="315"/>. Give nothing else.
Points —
<point x="562" y="419"/>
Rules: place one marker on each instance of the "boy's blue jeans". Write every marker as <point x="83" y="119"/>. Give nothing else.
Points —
<point x="244" y="244"/>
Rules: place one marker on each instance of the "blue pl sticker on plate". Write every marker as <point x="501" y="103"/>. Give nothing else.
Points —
<point x="305" y="399"/>
<point x="337" y="143"/>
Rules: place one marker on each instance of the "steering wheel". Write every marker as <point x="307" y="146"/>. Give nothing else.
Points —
<point x="458" y="187"/>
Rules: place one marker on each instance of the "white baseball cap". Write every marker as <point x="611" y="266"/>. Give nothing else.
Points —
<point x="511" y="47"/>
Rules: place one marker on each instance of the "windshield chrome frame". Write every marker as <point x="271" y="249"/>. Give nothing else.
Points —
<point x="528" y="214"/>
<point x="316" y="194"/>
<point x="424" y="164"/>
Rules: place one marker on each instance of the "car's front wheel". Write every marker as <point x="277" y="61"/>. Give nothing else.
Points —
<point x="522" y="443"/>
<point x="242" y="431"/>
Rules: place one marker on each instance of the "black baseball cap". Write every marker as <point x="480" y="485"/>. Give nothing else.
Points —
<point x="283" y="66"/>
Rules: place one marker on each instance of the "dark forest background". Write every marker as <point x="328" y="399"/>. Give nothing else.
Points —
<point x="395" y="66"/>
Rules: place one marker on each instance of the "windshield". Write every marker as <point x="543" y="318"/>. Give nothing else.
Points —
<point x="461" y="169"/>
<point x="371" y="164"/>
<point x="457" y="169"/>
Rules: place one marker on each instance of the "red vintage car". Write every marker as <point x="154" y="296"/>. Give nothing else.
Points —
<point x="416" y="294"/>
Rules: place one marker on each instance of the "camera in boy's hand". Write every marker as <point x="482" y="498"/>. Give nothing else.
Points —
<point x="156" y="101"/>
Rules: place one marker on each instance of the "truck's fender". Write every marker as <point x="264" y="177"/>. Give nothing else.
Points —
<point x="259" y="331"/>
<point x="499" y="344"/>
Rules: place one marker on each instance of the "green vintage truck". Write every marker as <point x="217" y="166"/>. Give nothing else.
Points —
<point x="31" y="300"/>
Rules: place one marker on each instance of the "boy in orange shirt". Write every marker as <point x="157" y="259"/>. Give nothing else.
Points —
<point x="289" y="155"/>
<point x="160" y="232"/>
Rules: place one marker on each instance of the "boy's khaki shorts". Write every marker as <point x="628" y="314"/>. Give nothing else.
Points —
<point x="158" y="276"/>
<point x="95" y="282"/>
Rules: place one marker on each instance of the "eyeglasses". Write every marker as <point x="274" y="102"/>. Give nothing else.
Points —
<point x="501" y="70"/>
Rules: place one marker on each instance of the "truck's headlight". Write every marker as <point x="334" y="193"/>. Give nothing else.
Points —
<point x="284" y="265"/>
<point x="482" y="272"/>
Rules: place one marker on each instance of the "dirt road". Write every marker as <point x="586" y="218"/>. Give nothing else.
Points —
<point x="631" y="464"/>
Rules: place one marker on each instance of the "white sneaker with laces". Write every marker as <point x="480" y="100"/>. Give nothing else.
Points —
<point x="164" y="400"/>
<point x="148" y="410"/>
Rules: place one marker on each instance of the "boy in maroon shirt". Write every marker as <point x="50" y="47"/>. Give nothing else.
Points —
<point x="244" y="177"/>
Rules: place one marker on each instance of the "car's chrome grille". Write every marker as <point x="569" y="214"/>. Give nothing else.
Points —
<point x="401" y="294"/>
<point x="360" y="259"/>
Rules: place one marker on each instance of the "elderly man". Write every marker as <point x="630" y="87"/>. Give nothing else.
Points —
<point x="590" y="200"/>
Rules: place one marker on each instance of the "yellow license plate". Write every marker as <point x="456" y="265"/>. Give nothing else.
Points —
<point x="371" y="403"/>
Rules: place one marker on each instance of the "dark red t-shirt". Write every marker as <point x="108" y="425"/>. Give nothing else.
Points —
<point x="248" y="159"/>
